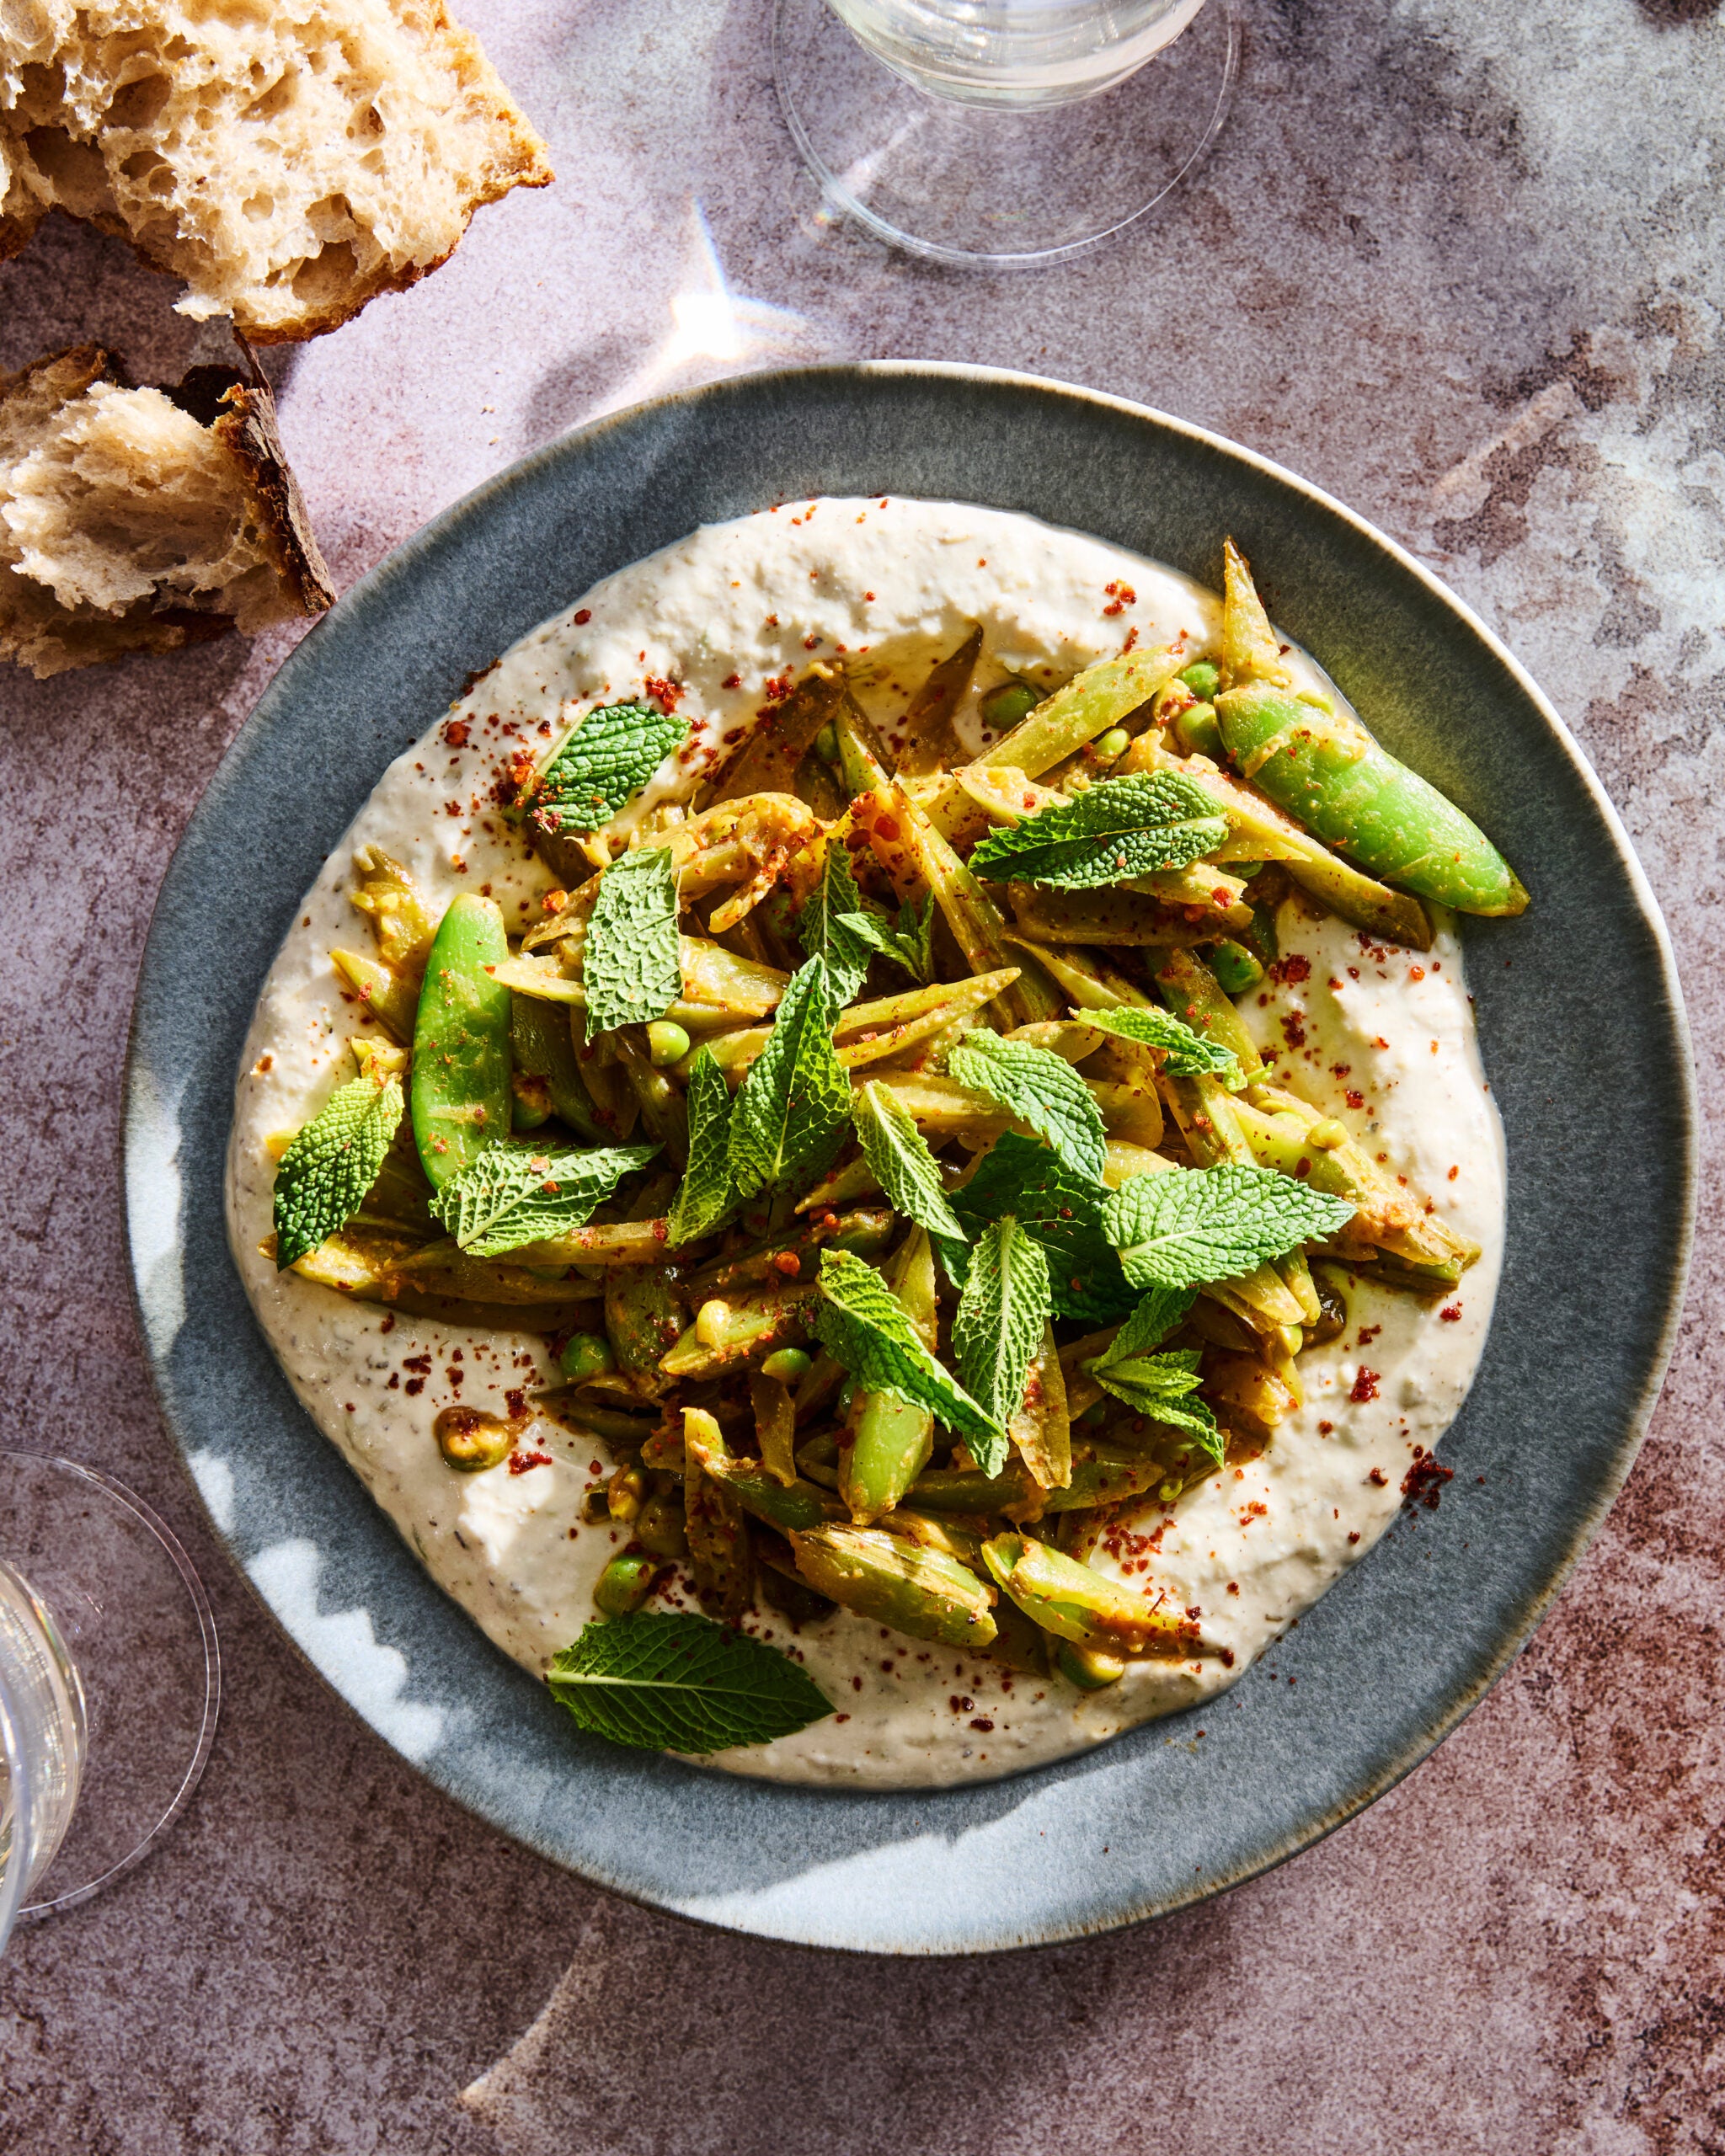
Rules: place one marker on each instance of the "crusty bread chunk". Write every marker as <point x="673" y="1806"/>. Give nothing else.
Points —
<point x="289" y="159"/>
<point x="140" y="520"/>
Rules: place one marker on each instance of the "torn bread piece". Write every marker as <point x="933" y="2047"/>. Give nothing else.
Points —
<point x="290" y="162"/>
<point x="143" y="520"/>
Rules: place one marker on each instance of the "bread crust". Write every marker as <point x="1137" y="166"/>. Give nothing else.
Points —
<point x="234" y="404"/>
<point x="101" y="126"/>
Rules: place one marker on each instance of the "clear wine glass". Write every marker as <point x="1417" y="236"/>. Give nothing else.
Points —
<point x="111" y="1682"/>
<point x="1003" y="131"/>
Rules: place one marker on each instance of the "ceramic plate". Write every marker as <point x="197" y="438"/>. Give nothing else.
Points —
<point x="1397" y="1651"/>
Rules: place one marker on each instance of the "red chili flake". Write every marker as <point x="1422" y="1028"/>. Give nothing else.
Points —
<point x="1354" y="1100"/>
<point x="1368" y="1333"/>
<point x="455" y="732"/>
<point x="959" y="1704"/>
<point x="582" y="615"/>
<point x="1131" y="639"/>
<point x="810" y="643"/>
<point x="1378" y="1041"/>
<point x="1293" y="1030"/>
<point x="520" y="1462"/>
<point x="772" y="621"/>
<point x="1378" y="1476"/>
<point x="982" y="1721"/>
<point x="515" y="1399"/>
<point x="1354" y="1536"/>
<point x="787" y="1262"/>
<point x="1423" y="1483"/>
<point x="1302" y="1168"/>
<point x="394" y="1384"/>
<point x="1227" y="1657"/>
<point x="1454" y="1172"/>
<point x="732" y="682"/>
<point x="1233" y="1587"/>
<point x="1365" y="1386"/>
<point x="887" y="827"/>
<point x="1450" y="1314"/>
<point x="1325" y="1428"/>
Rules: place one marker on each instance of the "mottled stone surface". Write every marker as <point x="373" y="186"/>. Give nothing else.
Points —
<point x="1459" y="265"/>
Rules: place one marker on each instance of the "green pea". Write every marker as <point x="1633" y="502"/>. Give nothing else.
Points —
<point x="1096" y="1414"/>
<point x="1202" y="679"/>
<point x="585" y="1355"/>
<point x="1200" y="733"/>
<point x="1112" y="744"/>
<point x="625" y="1584"/>
<point x="660" y="1527"/>
<point x="1008" y="702"/>
<point x="461" y="1095"/>
<point x="790" y="1365"/>
<point x="1235" y="967"/>
<point x="666" y="1044"/>
<point x="827" y="743"/>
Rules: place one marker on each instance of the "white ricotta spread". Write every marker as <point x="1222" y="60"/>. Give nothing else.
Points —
<point x="1384" y="1040"/>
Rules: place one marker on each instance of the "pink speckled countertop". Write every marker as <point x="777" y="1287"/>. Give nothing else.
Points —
<point x="1462" y="266"/>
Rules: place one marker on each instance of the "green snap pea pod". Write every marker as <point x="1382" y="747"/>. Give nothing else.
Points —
<point x="930" y="744"/>
<point x="1271" y="1295"/>
<point x="444" y="1268"/>
<point x="388" y="897"/>
<point x="1071" y="1599"/>
<point x="1236" y="969"/>
<point x="570" y="1406"/>
<point x="930" y="1532"/>
<point x="1279" y="1130"/>
<point x="889" y="1440"/>
<point x="389" y="998"/>
<point x="1252" y="651"/>
<point x="767" y="762"/>
<point x="868" y="1031"/>
<point x="1089" y="704"/>
<point x="460" y="1092"/>
<point x="642" y="1319"/>
<point x="854" y="1179"/>
<point x="865" y="1230"/>
<point x="796" y="1507"/>
<point x="617" y="1242"/>
<point x="1325" y="770"/>
<point x="894" y="1583"/>
<point x="715" y="1524"/>
<point x="1040" y="1427"/>
<point x="1088" y="1667"/>
<point x="727" y="1334"/>
<point x="541" y="1048"/>
<point x="1100" y="1476"/>
<point x="1119" y="917"/>
<point x="918" y="859"/>
<point x="775" y="1417"/>
<point x="625" y="1584"/>
<point x="664" y="1114"/>
<point x="946" y="1490"/>
<point x="545" y="982"/>
<point x="1193" y="993"/>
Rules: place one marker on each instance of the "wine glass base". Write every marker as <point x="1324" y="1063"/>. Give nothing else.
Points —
<point x="977" y="184"/>
<point x="137" y="1623"/>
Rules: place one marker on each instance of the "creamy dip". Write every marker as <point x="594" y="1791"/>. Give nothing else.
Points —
<point x="1383" y="1040"/>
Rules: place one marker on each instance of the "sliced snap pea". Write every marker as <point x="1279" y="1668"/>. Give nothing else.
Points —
<point x="460" y="1088"/>
<point x="897" y="1583"/>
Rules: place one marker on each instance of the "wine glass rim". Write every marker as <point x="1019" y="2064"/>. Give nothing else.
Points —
<point x="129" y="1501"/>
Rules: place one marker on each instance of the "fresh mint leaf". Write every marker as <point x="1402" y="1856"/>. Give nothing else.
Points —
<point x="898" y="1153"/>
<point x="790" y="1115"/>
<point x="999" y="1325"/>
<point x="1186" y="1053"/>
<point x="833" y="927"/>
<point x="516" y="1194"/>
<point x="1180" y="1228"/>
<point x="682" y="1683"/>
<point x="1154" y="1318"/>
<point x="1036" y="1086"/>
<point x="1164" y="1388"/>
<point x="705" y="1193"/>
<point x="863" y="1325"/>
<point x="1120" y="828"/>
<point x="1062" y="1210"/>
<point x="324" y="1174"/>
<point x="630" y="965"/>
<point x="597" y="770"/>
<point x="909" y="943"/>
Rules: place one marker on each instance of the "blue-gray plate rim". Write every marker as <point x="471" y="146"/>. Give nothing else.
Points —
<point x="1392" y="1658"/>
